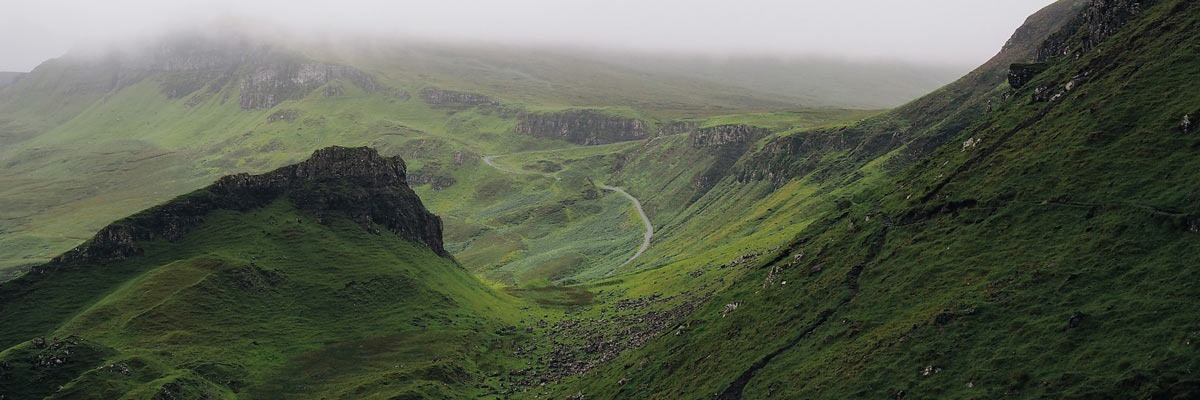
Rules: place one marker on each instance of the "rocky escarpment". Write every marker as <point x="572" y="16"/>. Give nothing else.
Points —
<point x="441" y="98"/>
<point x="272" y="82"/>
<point x="1021" y="73"/>
<point x="677" y="127"/>
<point x="727" y="143"/>
<point x="354" y="183"/>
<point x="433" y="175"/>
<point x="1099" y="20"/>
<point x="722" y="135"/>
<point x="586" y="127"/>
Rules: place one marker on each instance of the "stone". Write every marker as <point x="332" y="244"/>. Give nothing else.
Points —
<point x="441" y="98"/>
<point x="1020" y="73"/>
<point x="729" y="308"/>
<point x="1186" y="125"/>
<point x="1075" y="320"/>
<point x="722" y="135"/>
<point x="585" y="127"/>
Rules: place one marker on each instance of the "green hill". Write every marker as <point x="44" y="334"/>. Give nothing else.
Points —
<point x="1027" y="231"/>
<point x="86" y="140"/>
<point x="326" y="278"/>
<point x="1042" y="252"/>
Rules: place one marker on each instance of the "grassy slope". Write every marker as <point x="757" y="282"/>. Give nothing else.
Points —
<point x="83" y="147"/>
<point x="1047" y="261"/>
<point x="257" y="303"/>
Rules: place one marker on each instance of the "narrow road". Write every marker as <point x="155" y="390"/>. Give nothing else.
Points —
<point x="637" y="205"/>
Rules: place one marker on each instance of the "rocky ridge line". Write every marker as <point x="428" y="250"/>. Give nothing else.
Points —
<point x="356" y="183"/>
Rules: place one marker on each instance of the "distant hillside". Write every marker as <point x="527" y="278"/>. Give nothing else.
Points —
<point x="82" y="136"/>
<point x="815" y="81"/>
<point x="7" y="78"/>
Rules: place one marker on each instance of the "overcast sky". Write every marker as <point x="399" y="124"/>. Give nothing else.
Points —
<point x="951" y="32"/>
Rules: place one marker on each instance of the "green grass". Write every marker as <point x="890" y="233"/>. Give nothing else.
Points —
<point x="1049" y="261"/>
<point x="266" y="302"/>
<point x="1050" y="267"/>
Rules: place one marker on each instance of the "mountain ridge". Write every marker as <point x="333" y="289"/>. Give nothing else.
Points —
<point x="356" y="182"/>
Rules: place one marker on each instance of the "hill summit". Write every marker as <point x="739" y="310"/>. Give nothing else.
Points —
<point x="253" y="284"/>
<point x="356" y="182"/>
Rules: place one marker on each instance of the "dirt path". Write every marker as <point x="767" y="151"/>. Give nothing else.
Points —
<point x="637" y="205"/>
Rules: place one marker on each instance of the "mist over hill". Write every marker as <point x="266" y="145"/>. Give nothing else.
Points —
<point x="233" y="215"/>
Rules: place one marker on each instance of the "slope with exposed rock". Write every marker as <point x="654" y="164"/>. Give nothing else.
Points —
<point x="253" y="283"/>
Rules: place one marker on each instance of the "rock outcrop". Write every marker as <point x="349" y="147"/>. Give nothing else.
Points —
<point x="431" y="174"/>
<point x="722" y="135"/>
<point x="1021" y="73"/>
<point x="273" y="82"/>
<point x="1099" y="20"/>
<point x="586" y="127"/>
<point x="441" y="98"/>
<point x="355" y="183"/>
<point x="677" y="127"/>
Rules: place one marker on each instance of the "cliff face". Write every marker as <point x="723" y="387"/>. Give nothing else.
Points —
<point x="722" y="135"/>
<point x="677" y="127"/>
<point x="272" y="82"/>
<point x="727" y="143"/>
<point x="355" y="183"/>
<point x="586" y="127"/>
<point x="455" y="100"/>
<point x="1099" y="20"/>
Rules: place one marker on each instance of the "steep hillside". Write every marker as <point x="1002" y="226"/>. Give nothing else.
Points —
<point x="325" y="278"/>
<point x="1043" y="251"/>
<point x="741" y="194"/>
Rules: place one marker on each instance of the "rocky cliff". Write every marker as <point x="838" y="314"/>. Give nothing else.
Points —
<point x="1099" y="20"/>
<point x="269" y="83"/>
<point x="354" y="183"/>
<point x="677" y="127"/>
<point x="586" y="127"/>
<point x="722" y="135"/>
<point x="441" y="98"/>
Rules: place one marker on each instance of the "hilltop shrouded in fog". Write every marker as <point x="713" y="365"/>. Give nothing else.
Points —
<point x="538" y="199"/>
<point x="942" y="32"/>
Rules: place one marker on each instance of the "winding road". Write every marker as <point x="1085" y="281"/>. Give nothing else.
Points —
<point x="637" y="205"/>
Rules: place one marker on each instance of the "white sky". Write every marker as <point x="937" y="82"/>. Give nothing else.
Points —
<point x="951" y="32"/>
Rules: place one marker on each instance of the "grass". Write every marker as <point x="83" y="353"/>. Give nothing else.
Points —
<point x="1047" y="266"/>
<point x="267" y="303"/>
<point x="1048" y="261"/>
